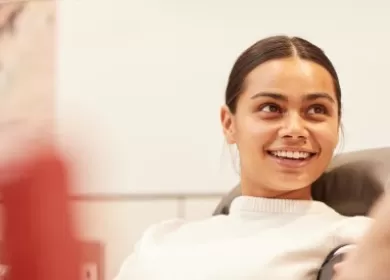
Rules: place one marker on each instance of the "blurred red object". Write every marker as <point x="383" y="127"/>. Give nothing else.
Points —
<point x="39" y="238"/>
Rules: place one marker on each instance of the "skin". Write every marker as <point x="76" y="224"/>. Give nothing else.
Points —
<point x="371" y="258"/>
<point x="27" y="58"/>
<point x="286" y="104"/>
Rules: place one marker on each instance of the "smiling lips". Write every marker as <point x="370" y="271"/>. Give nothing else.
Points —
<point x="291" y="159"/>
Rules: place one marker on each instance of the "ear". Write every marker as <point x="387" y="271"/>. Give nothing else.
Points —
<point x="228" y="125"/>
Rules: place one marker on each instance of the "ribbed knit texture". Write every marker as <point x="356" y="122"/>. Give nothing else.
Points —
<point x="261" y="238"/>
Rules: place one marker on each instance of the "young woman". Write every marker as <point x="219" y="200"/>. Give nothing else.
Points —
<point x="282" y="110"/>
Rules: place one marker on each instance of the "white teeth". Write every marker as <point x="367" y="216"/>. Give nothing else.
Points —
<point x="292" y="155"/>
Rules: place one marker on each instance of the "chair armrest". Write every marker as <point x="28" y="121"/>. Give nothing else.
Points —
<point x="335" y="257"/>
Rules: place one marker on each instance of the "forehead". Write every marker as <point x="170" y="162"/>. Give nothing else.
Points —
<point x="290" y="76"/>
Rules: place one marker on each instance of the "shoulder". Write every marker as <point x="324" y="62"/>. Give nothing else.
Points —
<point x="162" y="229"/>
<point x="179" y="230"/>
<point x="349" y="230"/>
<point x="133" y="267"/>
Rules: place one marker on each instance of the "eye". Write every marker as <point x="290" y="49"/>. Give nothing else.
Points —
<point x="270" y="108"/>
<point x="317" y="109"/>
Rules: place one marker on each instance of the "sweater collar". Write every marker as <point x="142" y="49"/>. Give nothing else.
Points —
<point x="250" y="204"/>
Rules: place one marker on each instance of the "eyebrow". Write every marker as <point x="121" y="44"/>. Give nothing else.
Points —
<point x="306" y="97"/>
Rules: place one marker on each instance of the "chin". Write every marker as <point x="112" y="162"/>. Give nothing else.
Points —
<point x="290" y="182"/>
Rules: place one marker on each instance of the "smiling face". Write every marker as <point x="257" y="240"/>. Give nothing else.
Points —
<point x="285" y="127"/>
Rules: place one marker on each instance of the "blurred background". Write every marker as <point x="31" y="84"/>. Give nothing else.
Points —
<point x="131" y="90"/>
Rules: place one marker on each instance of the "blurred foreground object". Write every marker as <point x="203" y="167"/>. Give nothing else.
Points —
<point x="39" y="241"/>
<point x="39" y="237"/>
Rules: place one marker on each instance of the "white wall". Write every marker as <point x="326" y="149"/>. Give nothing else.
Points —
<point x="115" y="55"/>
<point x="143" y="81"/>
<point x="28" y="96"/>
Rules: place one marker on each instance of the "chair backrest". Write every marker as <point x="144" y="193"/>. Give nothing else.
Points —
<point x="351" y="184"/>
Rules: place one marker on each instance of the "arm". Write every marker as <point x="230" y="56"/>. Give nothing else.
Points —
<point x="129" y="269"/>
<point x="140" y="263"/>
<point x="371" y="258"/>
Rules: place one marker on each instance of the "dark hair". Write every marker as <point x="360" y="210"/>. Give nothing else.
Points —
<point x="275" y="47"/>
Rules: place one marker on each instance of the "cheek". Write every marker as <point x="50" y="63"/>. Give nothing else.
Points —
<point x="254" y="133"/>
<point x="327" y="137"/>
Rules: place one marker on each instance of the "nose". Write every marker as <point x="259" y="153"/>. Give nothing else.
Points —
<point x="294" y="128"/>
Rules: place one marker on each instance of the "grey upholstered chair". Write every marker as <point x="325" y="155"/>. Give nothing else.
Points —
<point x="351" y="185"/>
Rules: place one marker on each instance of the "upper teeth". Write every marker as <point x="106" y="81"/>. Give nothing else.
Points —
<point x="289" y="154"/>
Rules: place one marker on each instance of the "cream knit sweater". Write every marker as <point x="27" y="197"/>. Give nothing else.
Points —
<point x="261" y="239"/>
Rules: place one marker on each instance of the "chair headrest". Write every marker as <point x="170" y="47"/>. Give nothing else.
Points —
<point x="354" y="181"/>
<point x="351" y="184"/>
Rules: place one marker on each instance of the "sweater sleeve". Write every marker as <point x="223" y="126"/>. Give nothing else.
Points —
<point x="129" y="269"/>
<point x="352" y="229"/>
<point x="135" y="266"/>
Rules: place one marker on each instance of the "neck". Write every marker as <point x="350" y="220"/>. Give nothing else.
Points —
<point x="254" y="189"/>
